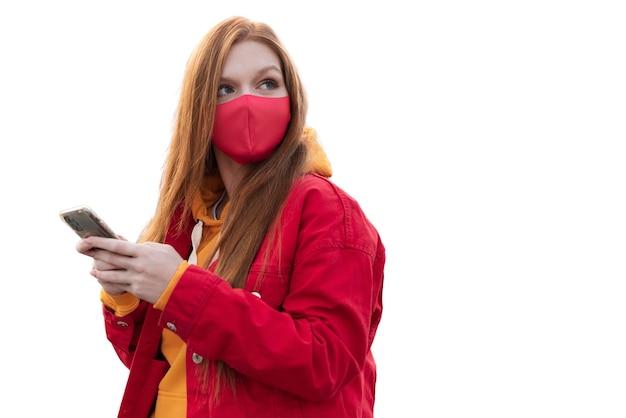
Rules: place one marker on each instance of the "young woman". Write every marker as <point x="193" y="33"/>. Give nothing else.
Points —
<point x="256" y="288"/>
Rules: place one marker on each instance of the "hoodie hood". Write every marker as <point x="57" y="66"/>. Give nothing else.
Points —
<point x="317" y="161"/>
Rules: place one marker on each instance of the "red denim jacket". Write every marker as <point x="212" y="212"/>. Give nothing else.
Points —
<point x="301" y="349"/>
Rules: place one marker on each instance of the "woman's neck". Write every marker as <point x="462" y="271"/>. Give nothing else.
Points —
<point x="231" y="172"/>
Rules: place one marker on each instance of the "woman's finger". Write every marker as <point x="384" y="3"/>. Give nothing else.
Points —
<point x="113" y="245"/>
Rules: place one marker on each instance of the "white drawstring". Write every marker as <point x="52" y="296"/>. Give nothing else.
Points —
<point x="196" y="236"/>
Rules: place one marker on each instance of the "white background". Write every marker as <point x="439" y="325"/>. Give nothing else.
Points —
<point x="485" y="139"/>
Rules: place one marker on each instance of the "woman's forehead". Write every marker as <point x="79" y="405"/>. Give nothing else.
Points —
<point x="246" y="56"/>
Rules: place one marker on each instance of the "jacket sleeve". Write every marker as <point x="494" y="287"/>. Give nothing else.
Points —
<point x="319" y="338"/>
<point x="123" y="331"/>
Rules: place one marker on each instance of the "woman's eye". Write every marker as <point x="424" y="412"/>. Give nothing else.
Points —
<point x="268" y="85"/>
<point x="224" y="90"/>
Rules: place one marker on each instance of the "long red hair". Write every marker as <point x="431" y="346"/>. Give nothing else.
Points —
<point x="259" y="198"/>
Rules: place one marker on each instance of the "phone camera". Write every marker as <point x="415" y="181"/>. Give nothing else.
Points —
<point x="73" y="223"/>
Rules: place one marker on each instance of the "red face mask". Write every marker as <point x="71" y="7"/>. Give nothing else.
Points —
<point x="249" y="128"/>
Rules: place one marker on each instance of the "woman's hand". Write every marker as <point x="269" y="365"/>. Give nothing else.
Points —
<point x="111" y="289"/>
<point x="120" y="266"/>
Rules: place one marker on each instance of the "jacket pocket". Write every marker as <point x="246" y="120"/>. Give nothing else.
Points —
<point x="270" y="286"/>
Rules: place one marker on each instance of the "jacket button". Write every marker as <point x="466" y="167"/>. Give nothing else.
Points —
<point x="172" y="327"/>
<point x="257" y="294"/>
<point x="196" y="358"/>
<point x="122" y="323"/>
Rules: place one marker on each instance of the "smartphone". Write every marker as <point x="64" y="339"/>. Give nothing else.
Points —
<point x="85" y="223"/>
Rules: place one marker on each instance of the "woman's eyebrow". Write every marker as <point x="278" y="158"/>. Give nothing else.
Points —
<point x="271" y="67"/>
<point x="261" y="71"/>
